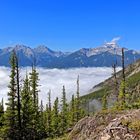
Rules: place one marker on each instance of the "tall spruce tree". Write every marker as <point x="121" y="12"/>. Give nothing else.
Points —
<point x="1" y="119"/>
<point x="115" y="81"/>
<point x="122" y="93"/>
<point x="72" y="111"/>
<point x="1" y="113"/>
<point x="34" y="79"/>
<point x="123" y="75"/>
<point x="27" y="110"/>
<point x="78" y="110"/>
<point x="56" y="118"/>
<point x="41" y="123"/>
<point x="18" y="95"/>
<point x="64" y="112"/>
<point x="11" y="112"/>
<point x="49" y="115"/>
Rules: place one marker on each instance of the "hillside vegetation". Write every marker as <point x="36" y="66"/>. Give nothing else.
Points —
<point x="132" y="73"/>
<point x="118" y="118"/>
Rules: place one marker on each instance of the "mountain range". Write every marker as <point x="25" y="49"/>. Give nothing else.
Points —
<point x="102" y="56"/>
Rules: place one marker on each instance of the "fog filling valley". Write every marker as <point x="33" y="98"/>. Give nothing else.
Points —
<point x="54" y="79"/>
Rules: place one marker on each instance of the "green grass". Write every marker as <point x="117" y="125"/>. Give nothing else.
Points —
<point x="60" y="138"/>
<point x="133" y="80"/>
<point x="95" y="95"/>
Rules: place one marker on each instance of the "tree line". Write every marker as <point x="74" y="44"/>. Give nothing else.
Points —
<point x="25" y="118"/>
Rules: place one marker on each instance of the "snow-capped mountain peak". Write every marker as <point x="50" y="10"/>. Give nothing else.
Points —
<point x="111" y="47"/>
<point x="100" y="56"/>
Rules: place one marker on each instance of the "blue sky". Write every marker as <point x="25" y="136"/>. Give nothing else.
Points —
<point x="69" y="24"/>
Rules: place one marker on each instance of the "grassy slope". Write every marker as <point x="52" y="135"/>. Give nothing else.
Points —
<point x="131" y="82"/>
<point x="133" y="78"/>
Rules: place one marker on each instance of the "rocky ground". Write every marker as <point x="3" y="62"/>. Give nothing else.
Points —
<point x="108" y="125"/>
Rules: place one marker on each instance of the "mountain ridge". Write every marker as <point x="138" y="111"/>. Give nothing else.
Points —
<point x="101" y="56"/>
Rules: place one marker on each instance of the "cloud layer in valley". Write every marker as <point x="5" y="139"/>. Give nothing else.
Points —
<point x="54" y="79"/>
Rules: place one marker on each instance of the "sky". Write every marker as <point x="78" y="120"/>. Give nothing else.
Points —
<point x="69" y="25"/>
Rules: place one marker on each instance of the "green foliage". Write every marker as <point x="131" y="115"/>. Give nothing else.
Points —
<point x="77" y="102"/>
<point x="36" y="122"/>
<point x="64" y="112"/>
<point x="96" y="94"/>
<point x="49" y="116"/>
<point x="41" y="127"/>
<point x="135" y="125"/>
<point x="121" y="103"/>
<point x="27" y="110"/>
<point x="104" y="102"/>
<point x="1" y="113"/>
<point x="56" y="118"/>
<point x="133" y="80"/>
<point x="64" y="137"/>
<point x="132" y="124"/>
<point x="79" y="112"/>
<point x="11" y="124"/>
<point x="1" y="118"/>
<point x="34" y="79"/>
<point x="72" y="111"/>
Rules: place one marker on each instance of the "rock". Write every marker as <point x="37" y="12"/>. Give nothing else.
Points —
<point x="106" y="126"/>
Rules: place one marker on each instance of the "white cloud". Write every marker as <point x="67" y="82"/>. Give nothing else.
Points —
<point x="54" y="79"/>
<point x="116" y="39"/>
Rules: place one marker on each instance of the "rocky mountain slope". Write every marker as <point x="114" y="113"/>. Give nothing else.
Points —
<point x="104" y="55"/>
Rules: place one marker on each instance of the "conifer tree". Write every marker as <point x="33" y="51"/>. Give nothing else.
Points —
<point x="121" y="98"/>
<point x="56" y="118"/>
<point x="11" y="112"/>
<point x="77" y="104"/>
<point x="122" y="92"/>
<point x="46" y="118"/>
<point x="123" y="75"/>
<point x="41" y="123"/>
<point x="1" y="113"/>
<point x="41" y="113"/>
<point x="27" y="110"/>
<point x="72" y="111"/>
<point x="18" y="95"/>
<point x="49" y="115"/>
<point x="34" y="79"/>
<point x="64" y="112"/>
<point x="1" y="118"/>
<point x="116" y="91"/>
